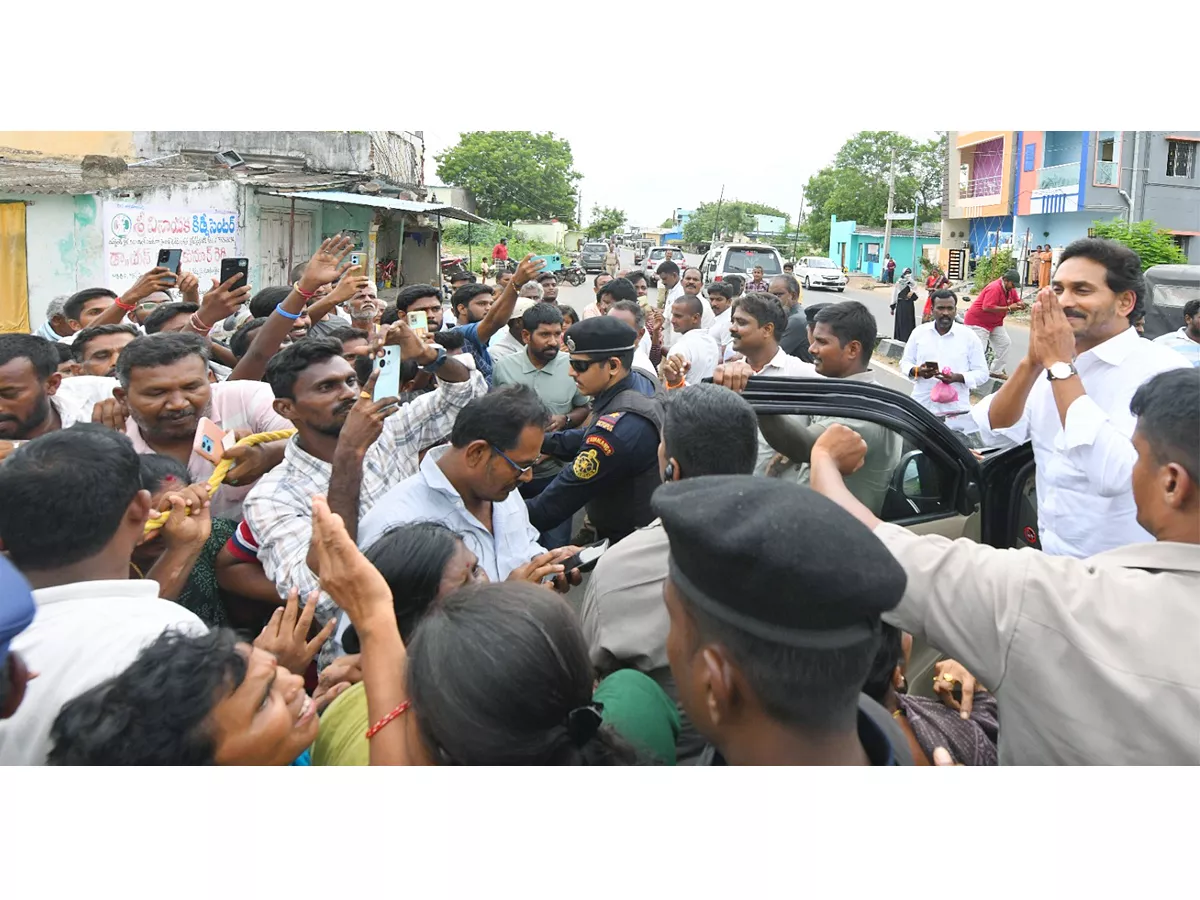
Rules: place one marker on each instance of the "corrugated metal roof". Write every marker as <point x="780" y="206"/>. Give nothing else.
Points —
<point x="52" y="175"/>
<point x="429" y="209"/>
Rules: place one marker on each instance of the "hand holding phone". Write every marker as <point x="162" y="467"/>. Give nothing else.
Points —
<point x="418" y="321"/>
<point x="585" y="560"/>
<point x="387" y="384"/>
<point x="170" y="259"/>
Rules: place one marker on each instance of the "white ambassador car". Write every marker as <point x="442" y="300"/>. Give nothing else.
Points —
<point x="819" y="271"/>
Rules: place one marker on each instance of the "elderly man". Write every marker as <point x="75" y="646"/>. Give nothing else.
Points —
<point x="794" y="339"/>
<point x="56" y="327"/>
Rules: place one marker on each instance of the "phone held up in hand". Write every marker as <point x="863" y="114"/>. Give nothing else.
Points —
<point x="585" y="560"/>
<point x="171" y="259"/>
<point x="211" y="442"/>
<point x="418" y="321"/>
<point x="388" y="382"/>
<point x="235" y="265"/>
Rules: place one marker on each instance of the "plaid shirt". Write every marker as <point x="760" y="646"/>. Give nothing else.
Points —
<point x="279" y="508"/>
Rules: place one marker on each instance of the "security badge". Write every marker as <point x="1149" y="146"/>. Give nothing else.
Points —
<point x="609" y="421"/>
<point x="587" y="465"/>
<point x="596" y="441"/>
<point x="570" y="344"/>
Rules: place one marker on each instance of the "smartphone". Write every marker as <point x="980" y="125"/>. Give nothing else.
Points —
<point x="211" y="442"/>
<point x="585" y="560"/>
<point x="235" y="265"/>
<point x="935" y="366"/>
<point x="388" y="383"/>
<point x="170" y="259"/>
<point x="356" y="259"/>
<point x="419" y="322"/>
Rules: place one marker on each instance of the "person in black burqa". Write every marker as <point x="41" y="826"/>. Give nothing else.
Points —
<point x="770" y="650"/>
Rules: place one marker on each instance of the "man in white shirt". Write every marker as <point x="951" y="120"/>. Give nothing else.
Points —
<point x="471" y="486"/>
<point x="1070" y="396"/>
<point x="694" y="354"/>
<point x="1187" y="339"/>
<point x="508" y="341"/>
<point x="56" y="327"/>
<point x="720" y="297"/>
<point x="35" y="399"/>
<point x="939" y="345"/>
<point x="73" y="511"/>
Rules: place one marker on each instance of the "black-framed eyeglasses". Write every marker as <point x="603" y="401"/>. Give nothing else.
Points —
<point x="582" y="365"/>
<point x="521" y="470"/>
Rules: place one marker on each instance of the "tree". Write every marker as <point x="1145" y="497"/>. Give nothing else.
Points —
<point x="605" y="221"/>
<point x="736" y="216"/>
<point x="514" y="174"/>
<point x="856" y="185"/>
<point x="1154" y="245"/>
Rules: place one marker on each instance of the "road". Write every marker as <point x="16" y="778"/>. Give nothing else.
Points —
<point x="877" y="301"/>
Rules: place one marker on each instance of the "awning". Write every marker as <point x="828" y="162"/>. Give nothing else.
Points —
<point x="412" y="206"/>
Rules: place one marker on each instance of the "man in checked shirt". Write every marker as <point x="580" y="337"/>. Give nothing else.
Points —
<point x="347" y="446"/>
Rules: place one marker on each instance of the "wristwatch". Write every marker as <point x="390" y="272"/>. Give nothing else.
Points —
<point x="432" y="367"/>
<point x="1060" y="370"/>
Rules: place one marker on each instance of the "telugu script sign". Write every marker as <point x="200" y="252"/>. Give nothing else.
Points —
<point x="134" y="234"/>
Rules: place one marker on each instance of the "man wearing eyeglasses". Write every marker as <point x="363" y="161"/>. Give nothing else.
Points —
<point x="471" y="486"/>
<point x="613" y="458"/>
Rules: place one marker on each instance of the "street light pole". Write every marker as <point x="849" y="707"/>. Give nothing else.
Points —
<point x="887" y="227"/>
<point x="717" y="223"/>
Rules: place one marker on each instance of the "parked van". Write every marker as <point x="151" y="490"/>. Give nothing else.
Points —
<point x="740" y="259"/>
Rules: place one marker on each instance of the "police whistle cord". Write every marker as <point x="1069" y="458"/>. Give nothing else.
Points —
<point x="157" y="520"/>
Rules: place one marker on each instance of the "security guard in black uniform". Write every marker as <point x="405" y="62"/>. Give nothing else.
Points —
<point x="615" y="453"/>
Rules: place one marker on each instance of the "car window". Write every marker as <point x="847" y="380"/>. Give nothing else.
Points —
<point x="820" y="263"/>
<point x="899" y="481"/>
<point x="744" y="259"/>
<point x="595" y="248"/>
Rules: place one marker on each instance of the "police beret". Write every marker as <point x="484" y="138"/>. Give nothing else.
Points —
<point x="16" y="605"/>
<point x="777" y="560"/>
<point x="601" y="335"/>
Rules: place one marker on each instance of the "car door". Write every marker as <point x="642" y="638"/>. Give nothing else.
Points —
<point x="936" y="485"/>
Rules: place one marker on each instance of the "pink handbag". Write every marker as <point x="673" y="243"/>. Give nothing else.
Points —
<point x="942" y="392"/>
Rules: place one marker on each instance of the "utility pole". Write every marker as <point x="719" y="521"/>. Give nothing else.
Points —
<point x="887" y="227"/>
<point x="799" y="219"/>
<point x="717" y="223"/>
<point x="916" y="216"/>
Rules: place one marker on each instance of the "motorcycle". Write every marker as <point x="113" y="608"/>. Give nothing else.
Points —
<point x="571" y="274"/>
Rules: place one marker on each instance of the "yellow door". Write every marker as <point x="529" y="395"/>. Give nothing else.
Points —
<point x="14" y="280"/>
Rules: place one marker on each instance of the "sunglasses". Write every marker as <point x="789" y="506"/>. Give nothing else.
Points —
<point x="521" y="470"/>
<point x="582" y="365"/>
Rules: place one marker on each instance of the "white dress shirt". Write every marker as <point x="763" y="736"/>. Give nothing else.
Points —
<point x="697" y="347"/>
<point x="1085" y="469"/>
<point x="78" y="395"/>
<point x="719" y="329"/>
<point x="957" y="349"/>
<point x="83" y="634"/>
<point x="429" y="496"/>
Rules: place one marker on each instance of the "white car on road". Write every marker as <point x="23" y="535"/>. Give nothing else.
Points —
<point x="819" y="271"/>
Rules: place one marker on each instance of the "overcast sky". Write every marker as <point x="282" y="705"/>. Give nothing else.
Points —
<point x="617" y="173"/>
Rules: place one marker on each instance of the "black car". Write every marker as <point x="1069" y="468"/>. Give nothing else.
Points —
<point x="937" y="487"/>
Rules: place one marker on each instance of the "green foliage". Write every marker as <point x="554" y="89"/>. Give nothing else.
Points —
<point x="1154" y="245"/>
<point x="605" y="221"/>
<point x="736" y="216"/>
<point x="668" y="222"/>
<point x="484" y="237"/>
<point x="514" y="174"/>
<point x="855" y="187"/>
<point x="989" y="268"/>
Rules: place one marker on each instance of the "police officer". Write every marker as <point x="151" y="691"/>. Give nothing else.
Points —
<point x="614" y="456"/>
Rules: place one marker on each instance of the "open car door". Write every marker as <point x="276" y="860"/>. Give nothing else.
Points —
<point x="937" y="486"/>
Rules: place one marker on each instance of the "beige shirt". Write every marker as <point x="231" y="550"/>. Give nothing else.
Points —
<point x="1092" y="661"/>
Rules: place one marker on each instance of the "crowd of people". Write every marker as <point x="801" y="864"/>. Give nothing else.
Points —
<point x="222" y="545"/>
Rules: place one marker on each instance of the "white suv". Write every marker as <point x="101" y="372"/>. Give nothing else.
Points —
<point x="740" y="259"/>
<point x="819" y="271"/>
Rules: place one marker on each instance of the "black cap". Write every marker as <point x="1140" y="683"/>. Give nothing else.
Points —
<point x="777" y="560"/>
<point x="601" y="336"/>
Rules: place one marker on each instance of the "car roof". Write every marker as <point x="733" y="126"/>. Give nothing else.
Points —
<point x="750" y="247"/>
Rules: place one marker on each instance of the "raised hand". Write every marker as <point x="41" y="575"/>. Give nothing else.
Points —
<point x="286" y="634"/>
<point x="364" y="423"/>
<point x="326" y="265"/>
<point x="157" y="279"/>
<point x="346" y="575"/>
<point x="844" y="446"/>
<point x="223" y="300"/>
<point x="527" y="270"/>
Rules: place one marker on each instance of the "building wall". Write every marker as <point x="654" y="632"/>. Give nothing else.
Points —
<point x="1173" y="203"/>
<point x="549" y="232"/>
<point x="71" y="143"/>
<point x="328" y="151"/>
<point x="963" y="146"/>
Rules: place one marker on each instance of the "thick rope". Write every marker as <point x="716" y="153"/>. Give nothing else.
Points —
<point x="157" y="520"/>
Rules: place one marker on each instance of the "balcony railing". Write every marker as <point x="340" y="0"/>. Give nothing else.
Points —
<point x="1065" y="175"/>
<point x="1106" y="172"/>
<point x="987" y="186"/>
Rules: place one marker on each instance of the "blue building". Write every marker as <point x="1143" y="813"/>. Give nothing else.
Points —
<point x="860" y="248"/>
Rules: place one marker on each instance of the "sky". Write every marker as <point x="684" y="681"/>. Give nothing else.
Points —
<point x="693" y="169"/>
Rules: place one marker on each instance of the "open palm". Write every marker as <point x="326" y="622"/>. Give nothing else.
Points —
<point x="326" y="264"/>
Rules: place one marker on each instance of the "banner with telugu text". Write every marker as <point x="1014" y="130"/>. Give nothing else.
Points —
<point x="133" y="235"/>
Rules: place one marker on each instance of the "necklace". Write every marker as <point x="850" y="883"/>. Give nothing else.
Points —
<point x="138" y="571"/>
